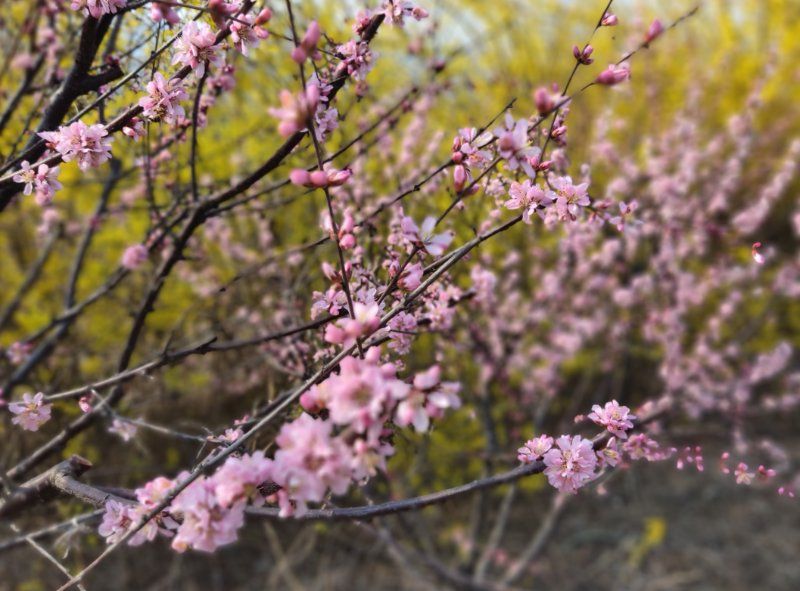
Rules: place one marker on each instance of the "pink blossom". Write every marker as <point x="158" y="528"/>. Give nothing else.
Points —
<point x="43" y="179"/>
<point x="423" y="236"/>
<point x="89" y="145"/>
<point x="396" y="11"/>
<point x="569" y="197"/>
<point x="614" y="74"/>
<point x="366" y="320"/>
<point x="32" y="412"/>
<point x="617" y="419"/>
<point x="528" y="197"/>
<point x="534" y="449"/>
<point x="134" y="256"/>
<point x="309" y="461"/>
<point x="206" y="524"/>
<point x="512" y="144"/>
<point x="19" y="351"/>
<point x="196" y="46"/>
<point x="163" y="98"/>
<point x="247" y="32"/>
<point x="239" y="478"/>
<point x="117" y="520"/>
<point x="357" y="59"/>
<point x="296" y="110"/>
<point x="571" y="464"/>
<point x="135" y="129"/>
<point x="428" y="398"/>
<point x="97" y="8"/>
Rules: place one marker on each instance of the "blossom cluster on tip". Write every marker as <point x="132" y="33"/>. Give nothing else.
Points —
<point x="97" y="8"/>
<point x="196" y="47"/>
<point x="43" y="180"/>
<point x="163" y="98"/>
<point x="89" y="145"/>
<point x="32" y="412"/>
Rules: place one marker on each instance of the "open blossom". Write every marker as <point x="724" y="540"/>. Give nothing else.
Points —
<point x="423" y="236"/>
<point x="617" y="419"/>
<point x="366" y="320"/>
<point x="309" y="461"/>
<point x="207" y="524"/>
<point x="97" y="8"/>
<point x="31" y="413"/>
<point x="162" y="101"/>
<point x="196" y="46"/>
<point x="569" y="197"/>
<point x="534" y="449"/>
<point x="88" y="144"/>
<point x="529" y="198"/>
<point x="134" y="256"/>
<point x="571" y="463"/>
<point x="428" y="399"/>
<point x="117" y="520"/>
<point x="43" y="179"/>
<point x="246" y="31"/>
<point x="614" y="74"/>
<point x="239" y="478"/>
<point x="396" y="11"/>
<point x="296" y="109"/>
<point x="512" y="145"/>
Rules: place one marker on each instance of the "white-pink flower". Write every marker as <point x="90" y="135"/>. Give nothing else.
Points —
<point x="534" y="449"/>
<point x="571" y="464"/>
<point x="529" y="198"/>
<point x="296" y="110"/>
<point x="196" y="47"/>
<point x="617" y="419"/>
<point x="163" y="98"/>
<point x="43" y="179"/>
<point x="31" y="413"/>
<point x="396" y="11"/>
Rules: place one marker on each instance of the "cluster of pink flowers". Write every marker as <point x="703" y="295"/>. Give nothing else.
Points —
<point x="42" y="179"/>
<point x="32" y="412"/>
<point x="89" y="145"/>
<point x="163" y="98"/>
<point x="571" y="463"/>
<point x="196" y="47"/>
<point x="97" y="8"/>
